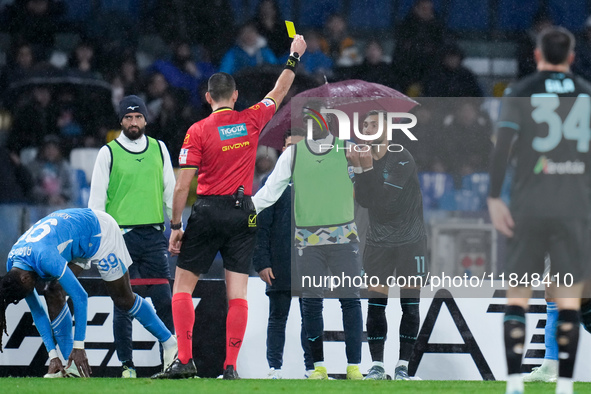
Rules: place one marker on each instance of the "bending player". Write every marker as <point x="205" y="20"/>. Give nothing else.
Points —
<point x="78" y="237"/>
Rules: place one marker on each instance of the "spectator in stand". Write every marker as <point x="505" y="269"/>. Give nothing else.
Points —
<point x="316" y="61"/>
<point x="117" y="87"/>
<point x="52" y="174"/>
<point x="35" y="21"/>
<point x="374" y="67"/>
<point x="16" y="183"/>
<point x="451" y="79"/>
<point x="20" y="62"/>
<point x="130" y="75"/>
<point x="206" y="22"/>
<point x="271" y="25"/>
<point x="70" y="119"/>
<point x="418" y="41"/>
<point x="33" y="120"/>
<point x="172" y="122"/>
<point x="183" y="72"/>
<point x="125" y="79"/>
<point x="157" y="85"/>
<point x="84" y="60"/>
<point x="582" y="64"/>
<point x="469" y="128"/>
<point x="251" y="50"/>
<point x="338" y="43"/>
<point x="526" y="44"/>
<point x="428" y="126"/>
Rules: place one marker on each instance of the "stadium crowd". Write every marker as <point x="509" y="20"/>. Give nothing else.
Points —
<point x="105" y="64"/>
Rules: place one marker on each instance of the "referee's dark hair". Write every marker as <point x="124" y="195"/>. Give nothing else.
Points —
<point x="556" y="43"/>
<point x="221" y="86"/>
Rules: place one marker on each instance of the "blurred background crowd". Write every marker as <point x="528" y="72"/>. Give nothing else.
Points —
<point x="65" y="65"/>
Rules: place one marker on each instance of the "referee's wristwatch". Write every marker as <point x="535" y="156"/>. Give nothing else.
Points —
<point x="295" y="55"/>
<point x="176" y="226"/>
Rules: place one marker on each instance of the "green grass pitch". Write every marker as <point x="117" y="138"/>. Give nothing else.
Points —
<point x="260" y="386"/>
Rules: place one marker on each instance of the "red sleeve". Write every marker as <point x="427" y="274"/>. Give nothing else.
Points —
<point x="190" y="155"/>
<point x="261" y="113"/>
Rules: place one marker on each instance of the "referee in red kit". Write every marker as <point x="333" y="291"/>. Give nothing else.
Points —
<point x="222" y="149"/>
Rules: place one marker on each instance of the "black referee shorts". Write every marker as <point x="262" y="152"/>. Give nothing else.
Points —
<point x="217" y="225"/>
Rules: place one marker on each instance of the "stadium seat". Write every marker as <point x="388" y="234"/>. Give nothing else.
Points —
<point x="467" y="200"/>
<point x="27" y="155"/>
<point x="83" y="159"/>
<point x="447" y="202"/>
<point x="477" y="183"/>
<point x="569" y="14"/>
<point x="129" y="7"/>
<point x="468" y="15"/>
<point x="82" y="188"/>
<point x="286" y="8"/>
<point x="516" y="15"/>
<point x="313" y="13"/>
<point x="434" y="185"/>
<point x="362" y="14"/>
<point x="404" y="7"/>
<point x="77" y="10"/>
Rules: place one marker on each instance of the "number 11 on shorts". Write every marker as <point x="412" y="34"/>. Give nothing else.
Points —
<point x="420" y="264"/>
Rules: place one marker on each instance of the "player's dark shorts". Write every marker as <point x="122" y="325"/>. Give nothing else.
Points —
<point x="409" y="260"/>
<point x="564" y="239"/>
<point x="316" y="263"/>
<point x="217" y="225"/>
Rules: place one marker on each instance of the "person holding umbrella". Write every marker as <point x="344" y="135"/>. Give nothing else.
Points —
<point x="325" y="235"/>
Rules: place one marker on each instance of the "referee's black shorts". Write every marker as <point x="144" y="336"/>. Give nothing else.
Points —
<point x="217" y="225"/>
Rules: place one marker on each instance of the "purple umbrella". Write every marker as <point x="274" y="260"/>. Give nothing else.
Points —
<point x="349" y="96"/>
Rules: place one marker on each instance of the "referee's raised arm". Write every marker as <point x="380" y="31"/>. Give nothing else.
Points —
<point x="283" y="84"/>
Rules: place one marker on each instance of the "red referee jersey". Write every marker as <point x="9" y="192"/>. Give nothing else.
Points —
<point x="223" y="147"/>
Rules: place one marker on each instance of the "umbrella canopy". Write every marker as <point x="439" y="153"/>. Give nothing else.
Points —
<point x="83" y="96"/>
<point x="56" y="78"/>
<point x="86" y="87"/>
<point x="348" y="96"/>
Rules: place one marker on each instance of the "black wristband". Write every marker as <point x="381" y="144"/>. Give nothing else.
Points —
<point x="176" y="226"/>
<point x="292" y="63"/>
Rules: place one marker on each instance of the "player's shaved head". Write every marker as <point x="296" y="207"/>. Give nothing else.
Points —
<point x="556" y="44"/>
<point x="221" y="86"/>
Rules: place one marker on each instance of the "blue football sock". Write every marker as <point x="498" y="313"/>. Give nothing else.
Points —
<point x="550" y="332"/>
<point x="145" y="314"/>
<point x="62" y="331"/>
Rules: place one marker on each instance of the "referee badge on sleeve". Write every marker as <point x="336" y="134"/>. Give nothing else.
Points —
<point x="183" y="156"/>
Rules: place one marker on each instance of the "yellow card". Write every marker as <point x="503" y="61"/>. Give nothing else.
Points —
<point x="290" y="29"/>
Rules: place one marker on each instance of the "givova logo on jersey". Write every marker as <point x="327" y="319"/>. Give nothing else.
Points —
<point x="547" y="166"/>
<point x="232" y="131"/>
